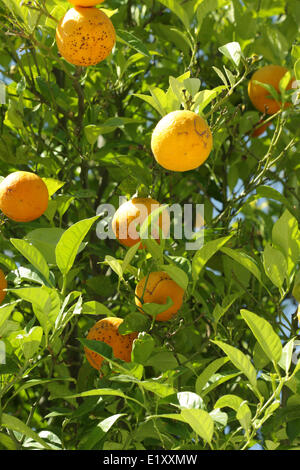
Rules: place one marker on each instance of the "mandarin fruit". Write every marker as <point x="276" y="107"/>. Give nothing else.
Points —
<point x="181" y="141"/>
<point x="106" y="330"/>
<point x="259" y="96"/>
<point x="133" y="213"/>
<point x="85" y="36"/>
<point x="156" y="288"/>
<point x="23" y="196"/>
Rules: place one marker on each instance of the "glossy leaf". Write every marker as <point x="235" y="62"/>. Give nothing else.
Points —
<point x="69" y="243"/>
<point x="240" y="360"/>
<point x="265" y="335"/>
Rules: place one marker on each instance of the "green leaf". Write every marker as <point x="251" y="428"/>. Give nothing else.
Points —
<point x="7" y="442"/>
<point x="15" y="424"/>
<point x="36" y="382"/>
<point x="90" y="439"/>
<point x="10" y="366"/>
<point x="162" y="390"/>
<point x="30" y="341"/>
<point x="142" y="348"/>
<point x="204" y="97"/>
<point x="240" y="360"/>
<point x="115" y="265"/>
<point x="221" y="76"/>
<point x="45" y="303"/>
<point x="177" y="88"/>
<point x="245" y="260"/>
<point x="93" y="131"/>
<point x="260" y="359"/>
<point x="275" y="265"/>
<point x="14" y="115"/>
<point x="177" y="274"/>
<point x="102" y="392"/>
<point x="284" y="81"/>
<point x="33" y="255"/>
<point x="192" y="85"/>
<point x="204" y="7"/>
<point x="95" y="308"/>
<point x="216" y="380"/>
<point x="132" y="41"/>
<point x="189" y="400"/>
<point x="231" y="401"/>
<point x="160" y="100"/>
<point x="5" y="311"/>
<point x="201" y="256"/>
<point x="270" y="193"/>
<point x="233" y="52"/>
<point x="134" y="322"/>
<point x="53" y="185"/>
<point x="129" y="256"/>
<point x="8" y="262"/>
<point x="54" y="304"/>
<point x="162" y="361"/>
<point x="175" y="36"/>
<point x="155" y="309"/>
<point x="220" y="310"/>
<point x="98" y="346"/>
<point x="176" y="8"/>
<point x="272" y="91"/>
<point x="210" y="370"/>
<point x="231" y="78"/>
<point x="286" y="236"/>
<point x="200" y="421"/>
<point x="69" y="243"/>
<point x="153" y="102"/>
<point x="265" y="335"/>
<point x="243" y="412"/>
<point x="286" y="357"/>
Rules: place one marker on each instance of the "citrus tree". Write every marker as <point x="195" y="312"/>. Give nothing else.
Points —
<point x="184" y="338"/>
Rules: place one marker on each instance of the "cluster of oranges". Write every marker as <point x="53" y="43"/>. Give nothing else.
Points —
<point x="181" y="141"/>
<point x="85" y="35"/>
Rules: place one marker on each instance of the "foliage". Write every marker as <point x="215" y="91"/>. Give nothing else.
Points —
<point x="223" y="374"/>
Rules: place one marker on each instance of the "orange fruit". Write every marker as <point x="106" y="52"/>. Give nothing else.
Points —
<point x="259" y="96"/>
<point x="156" y="288"/>
<point x="23" y="196"/>
<point x="85" y="36"/>
<point x="181" y="141"/>
<point x="3" y="285"/>
<point x="85" y="3"/>
<point x="132" y="214"/>
<point x="106" y="330"/>
<point x="260" y="129"/>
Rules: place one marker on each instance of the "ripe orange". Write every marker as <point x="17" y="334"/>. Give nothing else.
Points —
<point x="23" y="196"/>
<point x="3" y="285"/>
<point x="260" y="129"/>
<point x="85" y="3"/>
<point x="85" y="36"/>
<point x="181" y="141"/>
<point x="106" y="330"/>
<point x="271" y="75"/>
<point x="132" y="214"/>
<point x="156" y="289"/>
